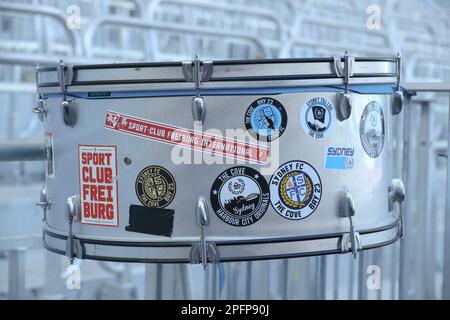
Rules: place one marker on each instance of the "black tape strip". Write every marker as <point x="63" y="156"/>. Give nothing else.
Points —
<point x="148" y="220"/>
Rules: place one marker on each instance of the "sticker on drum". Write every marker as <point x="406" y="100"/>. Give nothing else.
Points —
<point x="240" y="196"/>
<point x="98" y="185"/>
<point x="266" y="119"/>
<point x="371" y="129"/>
<point x="295" y="190"/>
<point x="318" y="117"/>
<point x="155" y="187"/>
<point x="339" y="158"/>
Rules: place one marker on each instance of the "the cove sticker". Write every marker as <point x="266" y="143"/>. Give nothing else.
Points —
<point x="266" y="119"/>
<point x="318" y="117"/>
<point x="240" y="196"/>
<point x="295" y="190"/>
<point x="155" y="187"/>
<point x="371" y="129"/>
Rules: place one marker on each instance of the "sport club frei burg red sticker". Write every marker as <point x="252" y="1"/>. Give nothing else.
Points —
<point x="98" y="185"/>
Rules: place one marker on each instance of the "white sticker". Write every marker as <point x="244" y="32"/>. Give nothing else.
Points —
<point x="295" y="190"/>
<point x="98" y="185"/>
<point x="318" y="117"/>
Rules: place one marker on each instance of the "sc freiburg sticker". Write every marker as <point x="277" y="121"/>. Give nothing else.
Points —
<point x="371" y="129"/>
<point x="240" y="196"/>
<point x="155" y="187"/>
<point x="266" y="119"/>
<point x="318" y="117"/>
<point x="295" y="190"/>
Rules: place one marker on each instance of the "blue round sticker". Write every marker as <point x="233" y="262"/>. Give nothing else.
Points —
<point x="266" y="118"/>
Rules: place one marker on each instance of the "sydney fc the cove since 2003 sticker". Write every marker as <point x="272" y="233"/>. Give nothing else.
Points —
<point x="318" y="117"/>
<point x="266" y="119"/>
<point x="371" y="129"/>
<point x="240" y="196"/>
<point x="295" y="190"/>
<point x="155" y="187"/>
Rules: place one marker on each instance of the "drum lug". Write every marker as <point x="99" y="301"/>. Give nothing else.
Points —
<point x="43" y="202"/>
<point x="344" y="105"/>
<point x="65" y="77"/>
<point x="350" y="241"/>
<point x="197" y="71"/>
<point x="73" y="210"/>
<point x="41" y="109"/>
<point x="398" y="98"/>
<point x="203" y="252"/>
<point x="396" y="193"/>
<point x="69" y="112"/>
<point x="198" y="109"/>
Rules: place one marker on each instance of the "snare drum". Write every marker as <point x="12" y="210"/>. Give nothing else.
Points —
<point x="207" y="161"/>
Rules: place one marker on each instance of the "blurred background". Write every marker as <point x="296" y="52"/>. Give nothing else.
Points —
<point x="87" y="31"/>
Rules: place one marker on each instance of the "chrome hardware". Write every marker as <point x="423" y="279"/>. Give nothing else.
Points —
<point x="396" y="193"/>
<point x="197" y="71"/>
<point x="398" y="98"/>
<point x="203" y="252"/>
<point x="343" y="99"/>
<point x="43" y="202"/>
<point x="350" y="241"/>
<point x="41" y="109"/>
<point x="65" y="75"/>
<point x="73" y="211"/>
<point x="69" y="113"/>
<point x="198" y="109"/>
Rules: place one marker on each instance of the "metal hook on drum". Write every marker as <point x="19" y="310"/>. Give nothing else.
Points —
<point x="398" y="98"/>
<point x="396" y="193"/>
<point x="203" y="252"/>
<point x="44" y="203"/>
<point x="73" y="211"/>
<point x="344" y="99"/>
<point x="350" y="241"/>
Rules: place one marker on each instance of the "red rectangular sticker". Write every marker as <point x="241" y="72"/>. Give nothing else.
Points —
<point x="98" y="185"/>
<point x="187" y="138"/>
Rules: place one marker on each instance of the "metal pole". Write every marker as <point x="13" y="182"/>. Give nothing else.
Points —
<point x="248" y="280"/>
<point x="361" y="277"/>
<point x="159" y="279"/>
<point x="446" y="284"/>
<point x="322" y="278"/>
<point x="22" y="151"/>
<point x="16" y="270"/>
<point x="405" y="205"/>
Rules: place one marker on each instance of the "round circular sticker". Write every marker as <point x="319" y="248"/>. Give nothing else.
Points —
<point x="240" y="196"/>
<point x="266" y="119"/>
<point x="155" y="187"/>
<point x="371" y="129"/>
<point x="318" y="117"/>
<point x="295" y="190"/>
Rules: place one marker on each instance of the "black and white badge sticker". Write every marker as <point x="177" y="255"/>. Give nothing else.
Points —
<point x="240" y="196"/>
<point x="371" y="129"/>
<point x="266" y="119"/>
<point x="155" y="187"/>
<point x="318" y="117"/>
<point x="295" y="190"/>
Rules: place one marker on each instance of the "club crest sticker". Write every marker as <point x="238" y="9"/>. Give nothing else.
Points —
<point x="295" y="190"/>
<point x="155" y="187"/>
<point x="266" y="119"/>
<point x="371" y="129"/>
<point x="318" y="117"/>
<point x="240" y="196"/>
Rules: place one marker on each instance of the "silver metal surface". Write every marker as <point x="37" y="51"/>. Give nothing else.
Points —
<point x="322" y="232"/>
